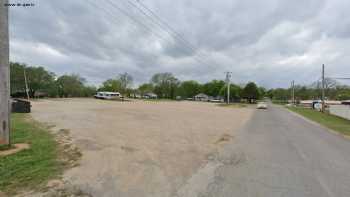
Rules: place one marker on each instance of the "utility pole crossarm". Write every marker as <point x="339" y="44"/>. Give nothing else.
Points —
<point x="4" y="75"/>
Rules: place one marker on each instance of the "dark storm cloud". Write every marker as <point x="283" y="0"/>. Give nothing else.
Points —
<point x="271" y="41"/>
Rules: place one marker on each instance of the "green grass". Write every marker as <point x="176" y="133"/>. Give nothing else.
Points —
<point x="29" y="169"/>
<point x="333" y="122"/>
<point x="279" y="102"/>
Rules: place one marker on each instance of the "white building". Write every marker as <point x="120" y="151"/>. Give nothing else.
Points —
<point x="201" y="97"/>
<point x="108" y="95"/>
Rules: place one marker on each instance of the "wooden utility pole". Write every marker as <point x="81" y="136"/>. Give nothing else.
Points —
<point x="4" y="75"/>
<point x="26" y="83"/>
<point x="228" y="76"/>
<point x="323" y="91"/>
<point x="293" y="92"/>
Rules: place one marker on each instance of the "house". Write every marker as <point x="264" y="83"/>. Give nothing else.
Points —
<point x="201" y="97"/>
<point x="40" y="94"/>
<point x="150" y="95"/>
<point x="135" y="95"/>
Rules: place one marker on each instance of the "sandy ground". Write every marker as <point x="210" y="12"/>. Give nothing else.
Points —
<point x="140" y="148"/>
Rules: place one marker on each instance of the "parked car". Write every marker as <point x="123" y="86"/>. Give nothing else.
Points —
<point x="262" y="105"/>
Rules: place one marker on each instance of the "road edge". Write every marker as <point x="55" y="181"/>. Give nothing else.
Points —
<point x="347" y="137"/>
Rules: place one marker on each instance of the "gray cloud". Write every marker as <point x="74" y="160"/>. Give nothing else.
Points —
<point x="271" y="42"/>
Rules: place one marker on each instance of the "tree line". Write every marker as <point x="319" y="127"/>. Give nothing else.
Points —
<point x="42" y="83"/>
<point x="333" y="91"/>
<point x="165" y="85"/>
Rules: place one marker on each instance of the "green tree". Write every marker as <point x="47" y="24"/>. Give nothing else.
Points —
<point x="262" y="91"/>
<point x="111" y="85"/>
<point x="343" y="93"/>
<point x="17" y="77"/>
<point x="213" y="88"/>
<point x="165" y="85"/>
<point x="39" y="79"/>
<point x="126" y="81"/>
<point x="279" y="94"/>
<point x="145" y="88"/>
<point x="71" y="86"/>
<point x="235" y="92"/>
<point x="251" y="92"/>
<point x="88" y="91"/>
<point x="189" y="89"/>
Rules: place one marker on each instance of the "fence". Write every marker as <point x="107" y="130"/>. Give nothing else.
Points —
<point x="340" y="110"/>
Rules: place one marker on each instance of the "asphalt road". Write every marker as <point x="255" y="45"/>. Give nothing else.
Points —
<point x="279" y="154"/>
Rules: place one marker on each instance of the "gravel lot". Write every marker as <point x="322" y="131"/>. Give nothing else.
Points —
<point x="140" y="148"/>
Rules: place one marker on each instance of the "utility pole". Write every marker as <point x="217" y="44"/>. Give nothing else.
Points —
<point x="293" y="92"/>
<point x="323" y="91"/>
<point x="26" y="83"/>
<point x="4" y="75"/>
<point x="228" y="76"/>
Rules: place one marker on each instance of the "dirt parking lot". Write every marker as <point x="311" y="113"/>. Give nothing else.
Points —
<point x="140" y="148"/>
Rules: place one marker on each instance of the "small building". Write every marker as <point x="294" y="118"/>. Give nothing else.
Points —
<point x="201" y="97"/>
<point x="135" y="95"/>
<point x="150" y="95"/>
<point x="40" y="94"/>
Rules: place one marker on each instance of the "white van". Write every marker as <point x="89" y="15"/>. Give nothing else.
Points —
<point x="108" y="95"/>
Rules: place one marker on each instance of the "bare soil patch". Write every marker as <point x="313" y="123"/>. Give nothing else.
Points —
<point x="15" y="148"/>
<point x="140" y="148"/>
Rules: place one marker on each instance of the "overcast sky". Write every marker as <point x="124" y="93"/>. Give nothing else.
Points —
<point x="271" y="42"/>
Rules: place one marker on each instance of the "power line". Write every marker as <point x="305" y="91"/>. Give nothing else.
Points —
<point x="139" y="23"/>
<point x="133" y="18"/>
<point x="165" y="26"/>
<point x="170" y="32"/>
<point x="114" y="17"/>
<point x="118" y="20"/>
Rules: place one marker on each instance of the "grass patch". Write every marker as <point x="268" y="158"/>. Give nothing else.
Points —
<point x="335" y="123"/>
<point x="29" y="169"/>
<point x="279" y="102"/>
<point x="233" y="105"/>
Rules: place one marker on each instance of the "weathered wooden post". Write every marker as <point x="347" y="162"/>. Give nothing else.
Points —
<point x="4" y="75"/>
